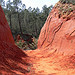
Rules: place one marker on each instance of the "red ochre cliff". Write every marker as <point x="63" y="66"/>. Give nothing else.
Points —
<point x="58" y="33"/>
<point x="11" y="57"/>
<point x="55" y="54"/>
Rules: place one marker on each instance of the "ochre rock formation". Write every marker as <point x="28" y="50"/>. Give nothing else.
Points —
<point x="11" y="57"/>
<point x="5" y="33"/>
<point x="55" y="54"/>
<point x="58" y="33"/>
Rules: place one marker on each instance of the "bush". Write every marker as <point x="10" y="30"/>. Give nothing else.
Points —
<point x="70" y="9"/>
<point x="27" y="45"/>
<point x="21" y="44"/>
<point x="68" y="1"/>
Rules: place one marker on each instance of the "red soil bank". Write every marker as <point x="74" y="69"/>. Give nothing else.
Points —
<point x="58" y="33"/>
<point x="57" y="39"/>
<point x="11" y="57"/>
<point x="55" y="54"/>
<point x="5" y="33"/>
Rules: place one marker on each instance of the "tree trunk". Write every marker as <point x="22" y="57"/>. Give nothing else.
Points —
<point x="19" y="23"/>
<point x="35" y="29"/>
<point x="10" y="22"/>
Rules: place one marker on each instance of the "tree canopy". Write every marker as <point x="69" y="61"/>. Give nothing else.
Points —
<point x="25" y="21"/>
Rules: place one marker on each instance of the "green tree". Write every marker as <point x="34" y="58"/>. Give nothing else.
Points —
<point x="10" y="9"/>
<point x="25" y="21"/>
<point x="46" y="10"/>
<point x="18" y="5"/>
<point x="2" y="3"/>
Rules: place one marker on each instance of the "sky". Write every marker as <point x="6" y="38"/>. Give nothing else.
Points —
<point x="38" y="3"/>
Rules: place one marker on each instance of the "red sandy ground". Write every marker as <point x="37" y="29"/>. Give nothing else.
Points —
<point x="48" y="63"/>
<point x="56" y="46"/>
<point x="55" y="54"/>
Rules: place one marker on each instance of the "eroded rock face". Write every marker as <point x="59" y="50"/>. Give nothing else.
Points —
<point x="11" y="57"/>
<point x="5" y="33"/>
<point x="57" y="36"/>
<point x="58" y="33"/>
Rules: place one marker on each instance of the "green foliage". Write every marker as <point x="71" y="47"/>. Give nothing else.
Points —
<point x="26" y="45"/>
<point x="17" y="4"/>
<point x="20" y="44"/>
<point x="26" y="21"/>
<point x="61" y="9"/>
<point x="70" y="9"/>
<point x="2" y="3"/>
<point x="65" y="9"/>
<point x="68" y="1"/>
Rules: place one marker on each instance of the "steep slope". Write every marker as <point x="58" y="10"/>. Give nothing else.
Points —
<point x="5" y="33"/>
<point x="56" y="44"/>
<point x="56" y="47"/>
<point x="11" y="57"/>
<point x="58" y="32"/>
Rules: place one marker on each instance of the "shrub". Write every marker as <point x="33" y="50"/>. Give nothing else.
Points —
<point x="21" y="44"/>
<point x="70" y="9"/>
<point x="26" y="45"/>
<point x="68" y="1"/>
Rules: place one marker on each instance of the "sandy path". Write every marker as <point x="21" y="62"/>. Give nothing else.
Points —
<point x="48" y="65"/>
